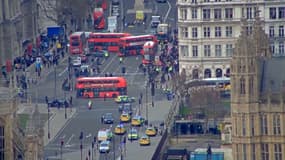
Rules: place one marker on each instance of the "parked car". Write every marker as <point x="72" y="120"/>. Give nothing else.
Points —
<point x="115" y="2"/>
<point x="104" y="147"/>
<point x="137" y="121"/>
<point x="144" y="140"/>
<point x="58" y="103"/>
<point x="108" y="118"/>
<point x="126" y="108"/>
<point x="133" y="134"/>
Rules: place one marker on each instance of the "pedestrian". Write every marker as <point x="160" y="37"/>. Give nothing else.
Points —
<point x="121" y="60"/>
<point x="46" y="98"/>
<point x="102" y="119"/>
<point x="70" y="100"/>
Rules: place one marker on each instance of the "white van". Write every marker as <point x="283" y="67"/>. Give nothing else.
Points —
<point x="104" y="135"/>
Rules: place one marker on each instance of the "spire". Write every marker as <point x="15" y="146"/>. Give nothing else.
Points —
<point x="34" y="122"/>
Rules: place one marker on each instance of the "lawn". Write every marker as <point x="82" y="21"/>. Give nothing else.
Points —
<point x="24" y="118"/>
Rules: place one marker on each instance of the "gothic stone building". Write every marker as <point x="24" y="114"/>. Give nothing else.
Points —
<point x="257" y="98"/>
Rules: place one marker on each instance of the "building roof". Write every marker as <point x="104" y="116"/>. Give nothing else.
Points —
<point x="273" y="75"/>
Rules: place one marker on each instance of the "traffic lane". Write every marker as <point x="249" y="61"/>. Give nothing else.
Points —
<point x="172" y="14"/>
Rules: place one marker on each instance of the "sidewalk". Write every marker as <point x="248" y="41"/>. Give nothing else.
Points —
<point x="57" y="119"/>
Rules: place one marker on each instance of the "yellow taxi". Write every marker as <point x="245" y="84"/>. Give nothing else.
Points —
<point x="144" y="140"/>
<point x="137" y="121"/>
<point x="150" y="131"/>
<point x="125" y="117"/>
<point x="120" y="129"/>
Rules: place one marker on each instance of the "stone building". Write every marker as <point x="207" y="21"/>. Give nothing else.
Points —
<point x="257" y="97"/>
<point x="11" y="136"/>
<point x="208" y="29"/>
<point x="18" y="23"/>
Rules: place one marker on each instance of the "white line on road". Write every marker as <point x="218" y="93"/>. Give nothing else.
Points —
<point x="167" y="13"/>
<point x="89" y="135"/>
<point x="68" y="141"/>
<point x="103" y="71"/>
<point x="61" y="73"/>
<point x="62" y="137"/>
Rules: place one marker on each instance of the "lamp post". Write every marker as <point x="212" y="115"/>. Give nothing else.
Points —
<point x="81" y="146"/>
<point x="48" y="121"/>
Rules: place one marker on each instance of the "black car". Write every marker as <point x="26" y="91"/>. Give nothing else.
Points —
<point x="107" y="118"/>
<point x="126" y="108"/>
<point x="58" y="103"/>
<point x="115" y="2"/>
<point x="98" y="53"/>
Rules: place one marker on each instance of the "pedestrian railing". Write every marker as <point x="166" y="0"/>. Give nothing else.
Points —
<point x="159" y="148"/>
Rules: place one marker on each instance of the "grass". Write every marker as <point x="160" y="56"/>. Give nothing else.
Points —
<point x="184" y="111"/>
<point x="24" y="119"/>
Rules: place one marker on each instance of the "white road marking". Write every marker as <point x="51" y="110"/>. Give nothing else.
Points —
<point x="89" y="135"/>
<point x="68" y="141"/>
<point x="62" y="137"/>
<point x="61" y="73"/>
<point x="103" y="71"/>
<point x="167" y="13"/>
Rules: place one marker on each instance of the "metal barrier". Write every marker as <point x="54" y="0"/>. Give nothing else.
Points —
<point x="159" y="148"/>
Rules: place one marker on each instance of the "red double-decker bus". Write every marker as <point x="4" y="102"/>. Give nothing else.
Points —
<point x="149" y="53"/>
<point x="99" y="19"/>
<point x="105" y="41"/>
<point x="77" y="42"/>
<point x="101" y="87"/>
<point x="133" y="45"/>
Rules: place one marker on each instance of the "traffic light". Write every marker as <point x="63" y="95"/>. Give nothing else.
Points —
<point x="81" y="135"/>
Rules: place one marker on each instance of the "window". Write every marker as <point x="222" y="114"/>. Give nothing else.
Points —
<point x="194" y="32"/>
<point x="218" y="50"/>
<point x="229" y="50"/>
<point x="229" y="31"/>
<point x="244" y="151"/>
<point x="184" y="32"/>
<point x="194" y="13"/>
<point x="218" y="14"/>
<point x="250" y="83"/>
<point x="276" y="125"/>
<point x="242" y="85"/>
<point x="206" y="14"/>
<point x="207" y="50"/>
<point x="195" y="51"/>
<point x="281" y="12"/>
<point x="281" y="31"/>
<point x="206" y="0"/>
<point x="184" y="50"/>
<point x="253" y="152"/>
<point x="2" y="143"/>
<point x="263" y="124"/>
<point x="228" y="13"/>
<point x="217" y="0"/>
<point x="243" y="125"/>
<point x="183" y="13"/>
<point x="218" y="32"/>
<point x="248" y="30"/>
<point x="277" y="151"/>
<point x="272" y="48"/>
<point x="194" y="1"/>
<point x="252" y="125"/>
<point x="264" y="151"/>
<point x="249" y="13"/>
<point x="271" y="31"/>
<point x="207" y="32"/>
<point x="272" y="13"/>
<point x="281" y="48"/>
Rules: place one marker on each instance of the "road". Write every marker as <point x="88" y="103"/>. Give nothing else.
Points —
<point x="88" y="121"/>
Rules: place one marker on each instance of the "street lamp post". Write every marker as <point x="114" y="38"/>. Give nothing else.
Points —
<point x="48" y="121"/>
<point x="81" y="146"/>
<point x="61" y="146"/>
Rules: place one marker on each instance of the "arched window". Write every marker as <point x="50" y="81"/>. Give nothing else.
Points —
<point x="250" y="83"/>
<point x="242" y="85"/>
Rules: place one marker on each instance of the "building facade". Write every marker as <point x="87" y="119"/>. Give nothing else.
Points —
<point x="18" y="23"/>
<point x="208" y="29"/>
<point x="257" y="97"/>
